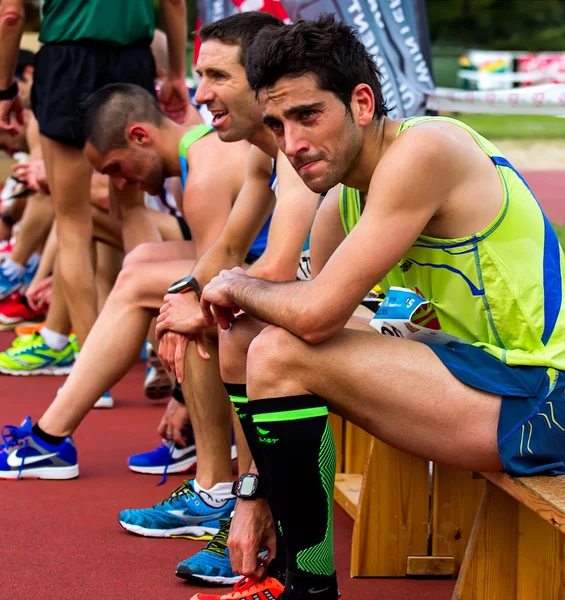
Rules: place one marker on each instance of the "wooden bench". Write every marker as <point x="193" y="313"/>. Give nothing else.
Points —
<point x="404" y="522"/>
<point x="517" y="545"/>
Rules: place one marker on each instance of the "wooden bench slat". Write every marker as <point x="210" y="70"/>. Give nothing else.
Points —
<point x="347" y="490"/>
<point x="543" y="495"/>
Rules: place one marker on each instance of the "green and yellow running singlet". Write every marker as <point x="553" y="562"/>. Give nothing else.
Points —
<point x="501" y="289"/>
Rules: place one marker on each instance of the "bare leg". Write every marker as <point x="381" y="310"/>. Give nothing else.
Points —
<point x="210" y="415"/>
<point x="397" y="390"/>
<point x="108" y="265"/>
<point x="69" y="177"/>
<point x="35" y="226"/>
<point x="58" y="316"/>
<point x="108" y="354"/>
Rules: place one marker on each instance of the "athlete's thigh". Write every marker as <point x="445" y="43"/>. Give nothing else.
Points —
<point x="161" y="251"/>
<point x="148" y="282"/>
<point x="401" y="393"/>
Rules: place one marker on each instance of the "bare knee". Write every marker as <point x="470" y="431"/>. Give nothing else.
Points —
<point x="234" y="344"/>
<point x="141" y="254"/>
<point x="127" y="288"/>
<point x="272" y="356"/>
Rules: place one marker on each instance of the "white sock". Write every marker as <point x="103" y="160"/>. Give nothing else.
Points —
<point x="10" y="268"/>
<point x="217" y="494"/>
<point x="55" y="341"/>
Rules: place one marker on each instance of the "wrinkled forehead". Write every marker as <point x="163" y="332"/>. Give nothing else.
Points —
<point x="290" y="92"/>
<point x="218" y="56"/>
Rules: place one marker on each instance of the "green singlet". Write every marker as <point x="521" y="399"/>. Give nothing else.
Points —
<point x="116" y="22"/>
<point x="501" y="289"/>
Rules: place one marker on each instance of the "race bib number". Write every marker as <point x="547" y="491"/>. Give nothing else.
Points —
<point x="397" y="314"/>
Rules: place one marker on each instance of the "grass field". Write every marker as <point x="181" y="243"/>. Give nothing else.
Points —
<point x="517" y="127"/>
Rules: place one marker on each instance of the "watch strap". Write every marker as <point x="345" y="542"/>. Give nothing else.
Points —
<point x="10" y="92"/>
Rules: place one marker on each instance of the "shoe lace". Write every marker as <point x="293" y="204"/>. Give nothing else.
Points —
<point x="167" y="464"/>
<point x="184" y="489"/>
<point x="219" y="542"/>
<point x="12" y="437"/>
<point x="250" y="585"/>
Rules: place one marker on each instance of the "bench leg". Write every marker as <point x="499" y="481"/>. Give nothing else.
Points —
<point x="489" y="569"/>
<point x="392" y="515"/>
<point x="541" y="558"/>
<point x="456" y="497"/>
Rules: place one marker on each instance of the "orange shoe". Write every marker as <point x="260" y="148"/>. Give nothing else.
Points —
<point x="29" y="329"/>
<point x="267" y="588"/>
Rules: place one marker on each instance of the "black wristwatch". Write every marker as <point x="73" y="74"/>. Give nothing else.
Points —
<point x="248" y="487"/>
<point x="9" y="92"/>
<point x="185" y="285"/>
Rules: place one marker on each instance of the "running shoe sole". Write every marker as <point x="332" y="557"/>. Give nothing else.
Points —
<point x="104" y="402"/>
<point x="190" y="532"/>
<point x="187" y="575"/>
<point x="160" y="386"/>
<point x="43" y="473"/>
<point x="43" y="371"/>
<point x="181" y="467"/>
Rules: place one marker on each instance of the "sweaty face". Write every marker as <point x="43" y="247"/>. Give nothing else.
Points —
<point x="312" y="128"/>
<point x="129" y="166"/>
<point x="225" y="91"/>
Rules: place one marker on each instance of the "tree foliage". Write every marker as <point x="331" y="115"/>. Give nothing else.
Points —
<point x="532" y="25"/>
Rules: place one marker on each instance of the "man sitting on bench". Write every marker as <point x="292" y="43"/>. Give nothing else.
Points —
<point x="445" y="223"/>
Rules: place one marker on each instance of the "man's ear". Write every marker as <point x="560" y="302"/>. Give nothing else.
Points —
<point x="137" y="134"/>
<point x="363" y="99"/>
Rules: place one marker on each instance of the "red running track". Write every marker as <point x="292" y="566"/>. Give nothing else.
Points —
<point x="61" y="540"/>
<point x="549" y="188"/>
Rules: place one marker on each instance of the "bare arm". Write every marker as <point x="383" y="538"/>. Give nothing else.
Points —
<point x="210" y="192"/>
<point x="413" y="181"/>
<point x="173" y="96"/>
<point x="327" y="231"/>
<point x="248" y="215"/>
<point x="12" y="18"/>
<point x="291" y="223"/>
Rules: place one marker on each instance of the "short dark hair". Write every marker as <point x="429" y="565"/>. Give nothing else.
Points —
<point x="239" y="30"/>
<point x="108" y="111"/>
<point x="324" y="47"/>
<point x="26" y="58"/>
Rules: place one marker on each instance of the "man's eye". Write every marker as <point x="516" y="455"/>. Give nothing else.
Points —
<point x="275" y="126"/>
<point x="307" y="114"/>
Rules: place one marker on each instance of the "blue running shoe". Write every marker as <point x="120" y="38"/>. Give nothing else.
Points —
<point x="31" y="269"/>
<point x="24" y="455"/>
<point x="166" y="458"/>
<point x="9" y="283"/>
<point x="212" y="563"/>
<point x="184" y="513"/>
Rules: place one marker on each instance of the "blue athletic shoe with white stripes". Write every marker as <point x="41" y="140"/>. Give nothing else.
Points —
<point x="25" y="456"/>
<point x="166" y="458"/>
<point x="212" y="563"/>
<point x="9" y="283"/>
<point x="185" y="513"/>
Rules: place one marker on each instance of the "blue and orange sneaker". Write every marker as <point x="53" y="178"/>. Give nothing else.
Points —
<point x="212" y="564"/>
<point x="184" y="513"/>
<point x="248" y="588"/>
<point x="25" y="456"/>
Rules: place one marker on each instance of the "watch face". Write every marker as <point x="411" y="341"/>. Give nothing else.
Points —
<point x="177" y="286"/>
<point x="247" y="486"/>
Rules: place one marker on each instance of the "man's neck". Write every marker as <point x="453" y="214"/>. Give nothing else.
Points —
<point x="263" y="139"/>
<point x="169" y="147"/>
<point x="377" y="139"/>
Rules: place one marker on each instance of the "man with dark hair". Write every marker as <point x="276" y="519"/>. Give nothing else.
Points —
<point x="451" y="230"/>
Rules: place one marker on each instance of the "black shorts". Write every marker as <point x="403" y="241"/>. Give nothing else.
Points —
<point x="67" y="73"/>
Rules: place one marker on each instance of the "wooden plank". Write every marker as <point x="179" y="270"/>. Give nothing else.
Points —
<point x="337" y="424"/>
<point x="356" y="447"/>
<point x="489" y="569"/>
<point x="347" y="491"/>
<point x="393" y="514"/>
<point x="430" y="566"/>
<point x="543" y="495"/>
<point x="541" y="558"/>
<point x="456" y="499"/>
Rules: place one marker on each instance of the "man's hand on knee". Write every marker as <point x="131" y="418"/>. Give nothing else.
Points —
<point x="172" y="351"/>
<point x="175" y="418"/>
<point x="251" y="530"/>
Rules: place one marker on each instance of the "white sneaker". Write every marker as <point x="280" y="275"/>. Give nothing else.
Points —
<point x="105" y="401"/>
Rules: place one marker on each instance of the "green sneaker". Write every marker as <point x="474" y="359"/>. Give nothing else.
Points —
<point x="32" y="356"/>
<point x="74" y="343"/>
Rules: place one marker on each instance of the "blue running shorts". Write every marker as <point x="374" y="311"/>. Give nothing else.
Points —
<point x="531" y="425"/>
